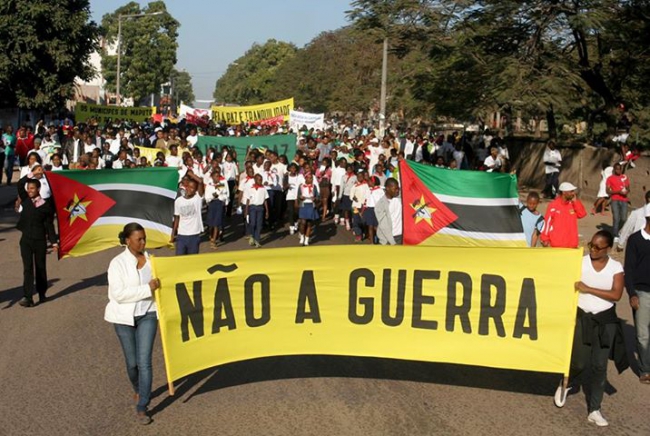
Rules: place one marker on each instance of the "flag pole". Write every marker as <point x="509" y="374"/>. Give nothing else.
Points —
<point x="161" y="321"/>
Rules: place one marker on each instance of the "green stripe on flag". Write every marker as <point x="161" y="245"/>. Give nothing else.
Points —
<point x="166" y="178"/>
<point x="468" y="184"/>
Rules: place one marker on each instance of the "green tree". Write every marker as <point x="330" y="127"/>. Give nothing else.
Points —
<point x="148" y="49"/>
<point x="249" y="79"/>
<point x="182" y="87"/>
<point x="47" y="44"/>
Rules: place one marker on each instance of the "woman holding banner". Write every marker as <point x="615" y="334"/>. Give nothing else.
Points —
<point x="598" y="332"/>
<point x="132" y="311"/>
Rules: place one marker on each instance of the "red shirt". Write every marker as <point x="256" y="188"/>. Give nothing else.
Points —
<point x="561" y="223"/>
<point x="616" y="183"/>
<point x="24" y="145"/>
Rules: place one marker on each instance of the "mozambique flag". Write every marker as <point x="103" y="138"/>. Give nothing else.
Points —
<point x="442" y="207"/>
<point x="92" y="207"/>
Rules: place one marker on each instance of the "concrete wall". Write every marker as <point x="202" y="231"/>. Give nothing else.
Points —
<point x="580" y="165"/>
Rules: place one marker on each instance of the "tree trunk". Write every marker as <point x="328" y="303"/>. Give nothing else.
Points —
<point x="552" y="125"/>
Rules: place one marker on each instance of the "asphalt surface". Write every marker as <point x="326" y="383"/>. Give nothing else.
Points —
<point x="62" y="373"/>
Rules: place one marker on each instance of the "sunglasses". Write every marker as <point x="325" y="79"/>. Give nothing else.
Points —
<point x="595" y="247"/>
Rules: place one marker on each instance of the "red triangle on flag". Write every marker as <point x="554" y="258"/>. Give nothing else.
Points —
<point x="78" y="206"/>
<point x="423" y="214"/>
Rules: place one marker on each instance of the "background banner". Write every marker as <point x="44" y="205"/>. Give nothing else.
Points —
<point x="496" y="307"/>
<point x="255" y="113"/>
<point x="150" y="153"/>
<point x="281" y="144"/>
<point x="299" y="119"/>
<point x="103" y="114"/>
<point x="199" y="117"/>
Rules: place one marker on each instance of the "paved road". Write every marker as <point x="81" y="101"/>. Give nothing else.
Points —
<point x="61" y="373"/>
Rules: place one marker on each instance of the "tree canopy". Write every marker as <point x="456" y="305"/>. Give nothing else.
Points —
<point x="47" y="44"/>
<point x="148" y="49"/>
<point x="182" y="87"/>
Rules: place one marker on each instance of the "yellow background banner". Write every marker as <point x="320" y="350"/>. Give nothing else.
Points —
<point x="83" y="112"/>
<point x="496" y="307"/>
<point x="151" y="152"/>
<point x="254" y="113"/>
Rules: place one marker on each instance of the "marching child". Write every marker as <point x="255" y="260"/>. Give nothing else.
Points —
<point x="345" y="207"/>
<point x="217" y="196"/>
<point x="293" y="180"/>
<point x="308" y="195"/>
<point x="369" y="217"/>
<point x="257" y="209"/>
<point x="358" y="195"/>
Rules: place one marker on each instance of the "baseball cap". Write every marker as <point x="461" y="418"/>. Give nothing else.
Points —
<point x="566" y="186"/>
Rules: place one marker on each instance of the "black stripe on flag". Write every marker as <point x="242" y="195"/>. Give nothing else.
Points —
<point x="141" y="205"/>
<point x="486" y="219"/>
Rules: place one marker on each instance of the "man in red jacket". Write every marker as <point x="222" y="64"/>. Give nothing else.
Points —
<point x="24" y="144"/>
<point x="561" y="220"/>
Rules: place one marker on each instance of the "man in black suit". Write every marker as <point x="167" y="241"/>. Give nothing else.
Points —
<point x="36" y="223"/>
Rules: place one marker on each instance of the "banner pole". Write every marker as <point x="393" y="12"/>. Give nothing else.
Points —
<point x="170" y="382"/>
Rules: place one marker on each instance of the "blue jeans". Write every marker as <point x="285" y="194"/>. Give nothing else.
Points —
<point x="642" y="324"/>
<point x="256" y="219"/>
<point x="137" y="345"/>
<point x="8" y="167"/>
<point x="619" y="212"/>
<point x="187" y="244"/>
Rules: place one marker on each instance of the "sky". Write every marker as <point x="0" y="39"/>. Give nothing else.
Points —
<point x="214" y="33"/>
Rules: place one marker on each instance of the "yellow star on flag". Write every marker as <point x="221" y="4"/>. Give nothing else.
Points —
<point x="423" y="212"/>
<point x="77" y="209"/>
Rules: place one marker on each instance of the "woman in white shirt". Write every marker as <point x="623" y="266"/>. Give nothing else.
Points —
<point x="132" y="311"/>
<point x="598" y="330"/>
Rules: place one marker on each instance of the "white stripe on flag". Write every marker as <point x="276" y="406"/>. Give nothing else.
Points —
<point x="471" y="201"/>
<point x="123" y="220"/>
<point x="135" y="187"/>
<point x="483" y="235"/>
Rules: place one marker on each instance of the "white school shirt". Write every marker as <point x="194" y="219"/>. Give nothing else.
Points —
<point x="145" y="305"/>
<point x="308" y="192"/>
<point x="337" y="176"/>
<point x="395" y="210"/>
<point x="602" y="280"/>
<point x="230" y="170"/>
<point x="255" y="195"/>
<point x="492" y="162"/>
<point x="280" y="169"/>
<point x="258" y="170"/>
<point x="375" y="195"/>
<point x="189" y="212"/>
<point x="348" y="183"/>
<point x="173" y="161"/>
<point x="192" y="140"/>
<point x="245" y="183"/>
<point x="220" y="188"/>
<point x="270" y="180"/>
<point x="360" y="192"/>
<point x="294" y="183"/>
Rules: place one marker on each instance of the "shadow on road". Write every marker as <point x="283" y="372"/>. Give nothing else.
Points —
<point x="98" y="280"/>
<point x="293" y="367"/>
<point x="14" y="295"/>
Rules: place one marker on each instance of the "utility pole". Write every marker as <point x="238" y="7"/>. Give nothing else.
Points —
<point x="382" y="101"/>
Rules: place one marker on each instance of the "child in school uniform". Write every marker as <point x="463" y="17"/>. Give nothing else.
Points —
<point x="358" y="195"/>
<point x="308" y="195"/>
<point x="369" y="217"/>
<point x="345" y="207"/>
<point x="217" y="197"/>
<point x="293" y="180"/>
<point x="257" y="209"/>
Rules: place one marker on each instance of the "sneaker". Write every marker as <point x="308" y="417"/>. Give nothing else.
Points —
<point x="143" y="418"/>
<point x="292" y="230"/>
<point x="560" y="394"/>
<point x="347" y="225"/>
<point x="306" y="242"/>
<point x="257" y="244"/>
<point x="342" y="222"/>
<point x="302" y="239"/>
<point x="251" y="241"/>
<point x="597" y="418"/>
<point x="336" y="218"/>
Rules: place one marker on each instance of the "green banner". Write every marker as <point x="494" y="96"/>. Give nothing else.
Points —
<point x="281" y="144"/>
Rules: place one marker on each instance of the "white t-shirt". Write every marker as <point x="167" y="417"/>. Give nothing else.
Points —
<point x="602" y="280"/>
<point x="192" y="140"/>
<point x="189" y="211"/>
<point x="294" y="182"/>
<point x="492" y="163"/>
<point x="173" y="161"/>
<point x="337" y="176"/>
<point x="395" y="209"/>
<point x="280" y="169"/>
<point x="229" y="170"/>
<point x="554" y="158"/>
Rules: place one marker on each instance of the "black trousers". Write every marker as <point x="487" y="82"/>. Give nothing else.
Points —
<point x="231" y="202"/>
<point x="552" y="187"/>
<point x="33" y="252"/>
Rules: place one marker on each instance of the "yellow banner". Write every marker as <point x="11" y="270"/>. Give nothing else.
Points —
<point x="103" y="114"/>
<point x="496" y="307"/>
<point x="252" y="114"/>
<point x="150" y="153"/>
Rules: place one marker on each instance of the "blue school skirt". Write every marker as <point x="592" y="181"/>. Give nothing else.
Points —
<point x="308" y="212"/>
<point x="369" y="217"/>
<point x="216" y="209"/>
